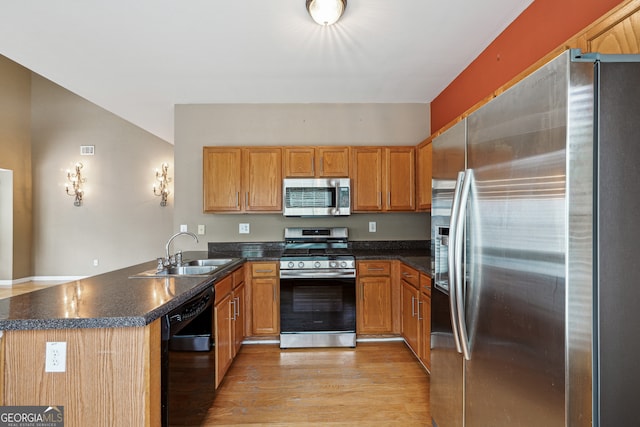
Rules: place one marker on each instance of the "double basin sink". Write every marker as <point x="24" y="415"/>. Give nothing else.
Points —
<point x="198" y="267"/>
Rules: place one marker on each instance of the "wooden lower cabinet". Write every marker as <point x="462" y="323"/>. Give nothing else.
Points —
<point x="410" y="322"/>
<point x="424" y="313"/>
<point x="265" y="298"/>
<point x="373" y="293"/>
<point x="416" y="312"/>
<point x="228" y="321"/>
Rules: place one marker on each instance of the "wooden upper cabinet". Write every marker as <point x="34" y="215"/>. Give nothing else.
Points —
<point x="423" y="175"/>
<point x="245" y="179"/>
<point x="383" y="179"/>
<point x="400" y="179"/>
<point x="310" y="162"/>
<point x="615" y="34"/>
<point x="366" y="178"/>
<point x="262" y="179"/>
<point x="222" y="179"/>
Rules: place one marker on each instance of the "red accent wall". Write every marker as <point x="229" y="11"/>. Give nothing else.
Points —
<point x="539" y="29"/>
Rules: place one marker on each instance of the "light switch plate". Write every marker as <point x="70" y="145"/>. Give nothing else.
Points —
<point x="201" y="229"/>
<point x="372" y="226"/>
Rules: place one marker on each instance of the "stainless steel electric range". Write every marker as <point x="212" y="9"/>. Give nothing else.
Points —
<point x="317" y="289"/>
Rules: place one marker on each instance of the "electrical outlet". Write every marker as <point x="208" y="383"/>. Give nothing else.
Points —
<point x="95" y="262"/>
<point x="56" y="357"/>
<point x="372" y="226"/>
<point x="243" y="228"/>
<point x="201" y="229"/>
<point x="183" y="228"/>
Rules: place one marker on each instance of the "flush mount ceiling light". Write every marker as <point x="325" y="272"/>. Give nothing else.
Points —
<point x="326" y="12"/>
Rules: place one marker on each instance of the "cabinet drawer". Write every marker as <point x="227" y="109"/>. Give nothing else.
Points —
<point x="410" y="275"/>
<point x="238" y="277"/>
<point x="264" y="269"/>
<point x="425" y="284"/>
<point x="223" y="288"/>
<point x="374" y="268"/>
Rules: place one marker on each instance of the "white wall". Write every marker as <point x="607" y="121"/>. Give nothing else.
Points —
<point x="290" y="124"/>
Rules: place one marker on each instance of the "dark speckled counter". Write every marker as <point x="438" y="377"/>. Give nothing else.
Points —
<point x="114" y="299"/>
<point x="415" y="253"/>
<point x="109" y="300"/>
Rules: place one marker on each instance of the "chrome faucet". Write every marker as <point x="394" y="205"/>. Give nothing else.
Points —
<point x="169" y="259"/>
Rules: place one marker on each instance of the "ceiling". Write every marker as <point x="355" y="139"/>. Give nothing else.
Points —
<point x="138" y="58"/>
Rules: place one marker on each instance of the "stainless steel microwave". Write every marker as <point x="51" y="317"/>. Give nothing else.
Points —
<point x="316" y="196"/>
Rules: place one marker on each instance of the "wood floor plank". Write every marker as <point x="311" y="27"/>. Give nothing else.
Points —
<point x="374" y="384"/>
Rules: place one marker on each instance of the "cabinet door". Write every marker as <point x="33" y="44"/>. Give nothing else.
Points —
<point x="332" y="161"/>
<point x="221" y="171"/>
<point x="299" y="162"/>
<point x="423" y="184"/>
<point x="374" y="305"/>
<point x="239" y="318"/>
<point x="262" y="183"/>
<point x="366" y="182"/>
<point x="222" y="315"/>
<point x="410" y="299"/>
<point x="265" y="306"/>
<point x="424" y="312"/>
<point x="400" y="179"/>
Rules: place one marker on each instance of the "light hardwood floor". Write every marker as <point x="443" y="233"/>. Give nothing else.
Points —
<point x="375" y="384"/>
<point x="23" y="288"/>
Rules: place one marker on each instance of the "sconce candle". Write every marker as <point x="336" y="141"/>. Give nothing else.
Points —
<point x="162" y="188"/>
<point x="76" y="181"/>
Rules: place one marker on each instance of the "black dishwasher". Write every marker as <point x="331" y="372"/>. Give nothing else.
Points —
<point x="195" y="314"/>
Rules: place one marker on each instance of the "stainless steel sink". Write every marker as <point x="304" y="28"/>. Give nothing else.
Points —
<point x="197" y="267"/>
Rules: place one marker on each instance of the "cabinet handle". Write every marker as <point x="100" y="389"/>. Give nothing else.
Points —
<point x="246" y="199"/>
<point x="405" y="274"/>
<point x="413" y="310"/>
<point x="237" y="199"/>
<point x="419" y="316"/>
<point x="380" y="198"/>
<point x="237" y="307"/>
<point x="389" y="198"/>
<point x="233" y="309"/>
<point x="264" y="271"/>
<point x="375" y="269"/>
<point x="313" y="165"/>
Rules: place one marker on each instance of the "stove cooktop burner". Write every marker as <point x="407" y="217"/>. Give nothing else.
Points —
<point x="315" y="252"/>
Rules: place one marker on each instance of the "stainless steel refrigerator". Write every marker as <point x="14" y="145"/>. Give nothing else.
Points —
<point x="536" y="233"/>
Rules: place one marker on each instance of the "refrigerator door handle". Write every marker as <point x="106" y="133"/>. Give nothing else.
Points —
<point x="459" y="274"/>
<point x="455" y="207"/>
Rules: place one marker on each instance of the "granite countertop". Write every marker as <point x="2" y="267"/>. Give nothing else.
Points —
<point x="413" y="253"/>
<point x="115" y="299"/>
<point x="108" y="300"/>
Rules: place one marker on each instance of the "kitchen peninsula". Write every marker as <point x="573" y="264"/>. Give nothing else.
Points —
<point x="111" y="325"/>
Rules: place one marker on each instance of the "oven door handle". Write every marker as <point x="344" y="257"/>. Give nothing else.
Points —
<point x="298" y="274"/>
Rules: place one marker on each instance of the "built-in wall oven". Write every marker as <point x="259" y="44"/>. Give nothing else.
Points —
<point x="317" y="289"/>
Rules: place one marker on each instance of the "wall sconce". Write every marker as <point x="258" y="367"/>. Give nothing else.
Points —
<point x="162" y="188"/>
<point x="76" y="181"/>
<point x="326" y="12"/>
